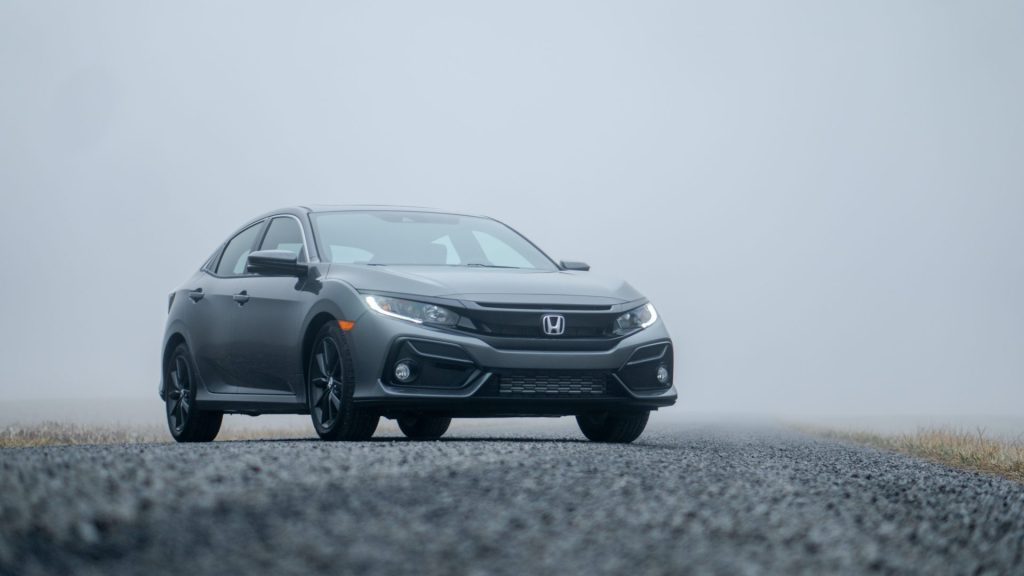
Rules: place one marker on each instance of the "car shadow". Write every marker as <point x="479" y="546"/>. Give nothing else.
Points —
<point x="386" y="440"/>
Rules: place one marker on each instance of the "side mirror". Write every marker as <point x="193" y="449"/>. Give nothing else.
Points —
<point x="570" y="265"/>
<point x="275" y="263"/>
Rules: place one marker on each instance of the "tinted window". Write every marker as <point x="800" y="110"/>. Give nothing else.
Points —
<point x="423" y="239"/>
<point x="233" y="261"/>
<point x="284" y="234"/>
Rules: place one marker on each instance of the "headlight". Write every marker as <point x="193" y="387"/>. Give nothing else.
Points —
<point x="636" y="319"/>
<point x="418" y="312"/>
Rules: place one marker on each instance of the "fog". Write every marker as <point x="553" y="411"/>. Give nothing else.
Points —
<point x="825" y="200"/>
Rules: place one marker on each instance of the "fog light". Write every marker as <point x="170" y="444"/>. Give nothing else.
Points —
<point x="663" y="374"/>
<point x="403" y="372"/>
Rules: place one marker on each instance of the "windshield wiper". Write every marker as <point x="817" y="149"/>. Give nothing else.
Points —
<point x="481" y="265"/>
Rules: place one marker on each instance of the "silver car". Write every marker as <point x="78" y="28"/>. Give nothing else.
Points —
<point x="354" y="313"/>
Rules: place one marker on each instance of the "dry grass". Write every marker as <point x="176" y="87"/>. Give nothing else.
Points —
<point x="958" y="448"/>
<point x="56" y="434"/>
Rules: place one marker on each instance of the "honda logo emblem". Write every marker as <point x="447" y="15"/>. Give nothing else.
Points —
<point x="554" y="324"/>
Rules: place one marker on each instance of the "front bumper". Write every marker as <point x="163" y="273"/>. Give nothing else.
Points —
<point x="461" y="375"/>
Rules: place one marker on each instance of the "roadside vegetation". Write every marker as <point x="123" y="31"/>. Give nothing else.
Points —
<point x="56" y="434"/>
<point x="959" y="448"/>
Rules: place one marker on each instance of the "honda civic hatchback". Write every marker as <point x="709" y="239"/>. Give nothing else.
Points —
<point x="350" y="314"/>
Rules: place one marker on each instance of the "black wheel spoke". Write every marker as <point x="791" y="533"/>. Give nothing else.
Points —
<point x="181" y="373"/>
<point x="328" y="417"/>
<point x="321" y="404"/>
<point x="321" y="364"/>
<point x="329" y="359"/>
<point x="335" y="402"/>
<point x="320" y="382"/>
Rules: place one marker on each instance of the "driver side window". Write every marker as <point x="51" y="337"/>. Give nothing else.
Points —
<point x="284" y="233"/>
<point x="232" y="261"/>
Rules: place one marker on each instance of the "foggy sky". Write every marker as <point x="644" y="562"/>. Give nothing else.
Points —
<point x="825" y="200"/>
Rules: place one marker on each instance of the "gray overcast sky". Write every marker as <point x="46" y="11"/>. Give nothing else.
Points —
<point x="824" y="199"/>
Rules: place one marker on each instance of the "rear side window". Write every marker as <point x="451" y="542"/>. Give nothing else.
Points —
<point x="284" y="234"/>
<point x="232" y="262"/>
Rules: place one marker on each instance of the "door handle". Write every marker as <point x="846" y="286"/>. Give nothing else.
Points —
<point x="242" y="297"/>
<point x="196" y="295"/>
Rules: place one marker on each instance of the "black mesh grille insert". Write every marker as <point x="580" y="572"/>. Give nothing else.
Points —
<point x="553" y="384"/>
<point x="528" y="323"/>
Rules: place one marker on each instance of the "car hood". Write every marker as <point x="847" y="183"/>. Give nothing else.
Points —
<point x="497" y="285"/>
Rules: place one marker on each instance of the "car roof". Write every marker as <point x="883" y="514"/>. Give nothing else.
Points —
<point x="301" y="211"/>
<point x="316" y="208"/>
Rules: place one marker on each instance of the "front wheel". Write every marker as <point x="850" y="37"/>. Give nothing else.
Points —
<point x="423" y="427"/>
<point x="618" y="427"/>
<point x="329" y="389"/>
<point x="185" y="420"/>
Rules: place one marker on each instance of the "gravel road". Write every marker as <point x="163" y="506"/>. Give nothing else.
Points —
<point x="505" y="498"/>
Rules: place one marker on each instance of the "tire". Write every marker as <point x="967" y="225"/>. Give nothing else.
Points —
<point x="424" y="427"/>
<point x="186" y="421"/>
<point x="330" y="384"/>
<point x="618" y="427"/>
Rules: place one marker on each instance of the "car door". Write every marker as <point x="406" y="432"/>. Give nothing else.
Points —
<point x="215" y="316"/>
<point x="270" y="319"/>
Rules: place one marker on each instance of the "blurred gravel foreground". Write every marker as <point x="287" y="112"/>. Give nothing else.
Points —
<point x="504" y="498"/>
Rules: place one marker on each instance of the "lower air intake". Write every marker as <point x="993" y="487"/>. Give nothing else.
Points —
<point x="553" y="384"/>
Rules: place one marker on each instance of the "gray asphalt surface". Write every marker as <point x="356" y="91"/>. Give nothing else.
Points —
<point x="505" y="498"/>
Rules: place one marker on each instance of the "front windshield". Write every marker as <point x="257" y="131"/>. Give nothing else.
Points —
<point x="423" y="239"/>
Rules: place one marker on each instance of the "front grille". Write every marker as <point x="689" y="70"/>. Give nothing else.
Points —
<point x="525" y="323"/>
<point x="535" y="331"/>
<point x="553" y="384"/>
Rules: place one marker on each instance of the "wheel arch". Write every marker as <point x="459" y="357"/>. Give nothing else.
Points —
<point x="312" y="327"/>
<point x="337" y="298"/>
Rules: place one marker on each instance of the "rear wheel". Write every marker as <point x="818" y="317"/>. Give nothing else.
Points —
<point x="185" y="420"/>
<point x="424" y="427"/>
<point x="329" y="389"/>
<point x="621" y="427"/>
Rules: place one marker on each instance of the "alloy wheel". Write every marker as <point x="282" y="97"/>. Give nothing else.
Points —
<point x="179" y="398"/>
<point x="327" y="384"/>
